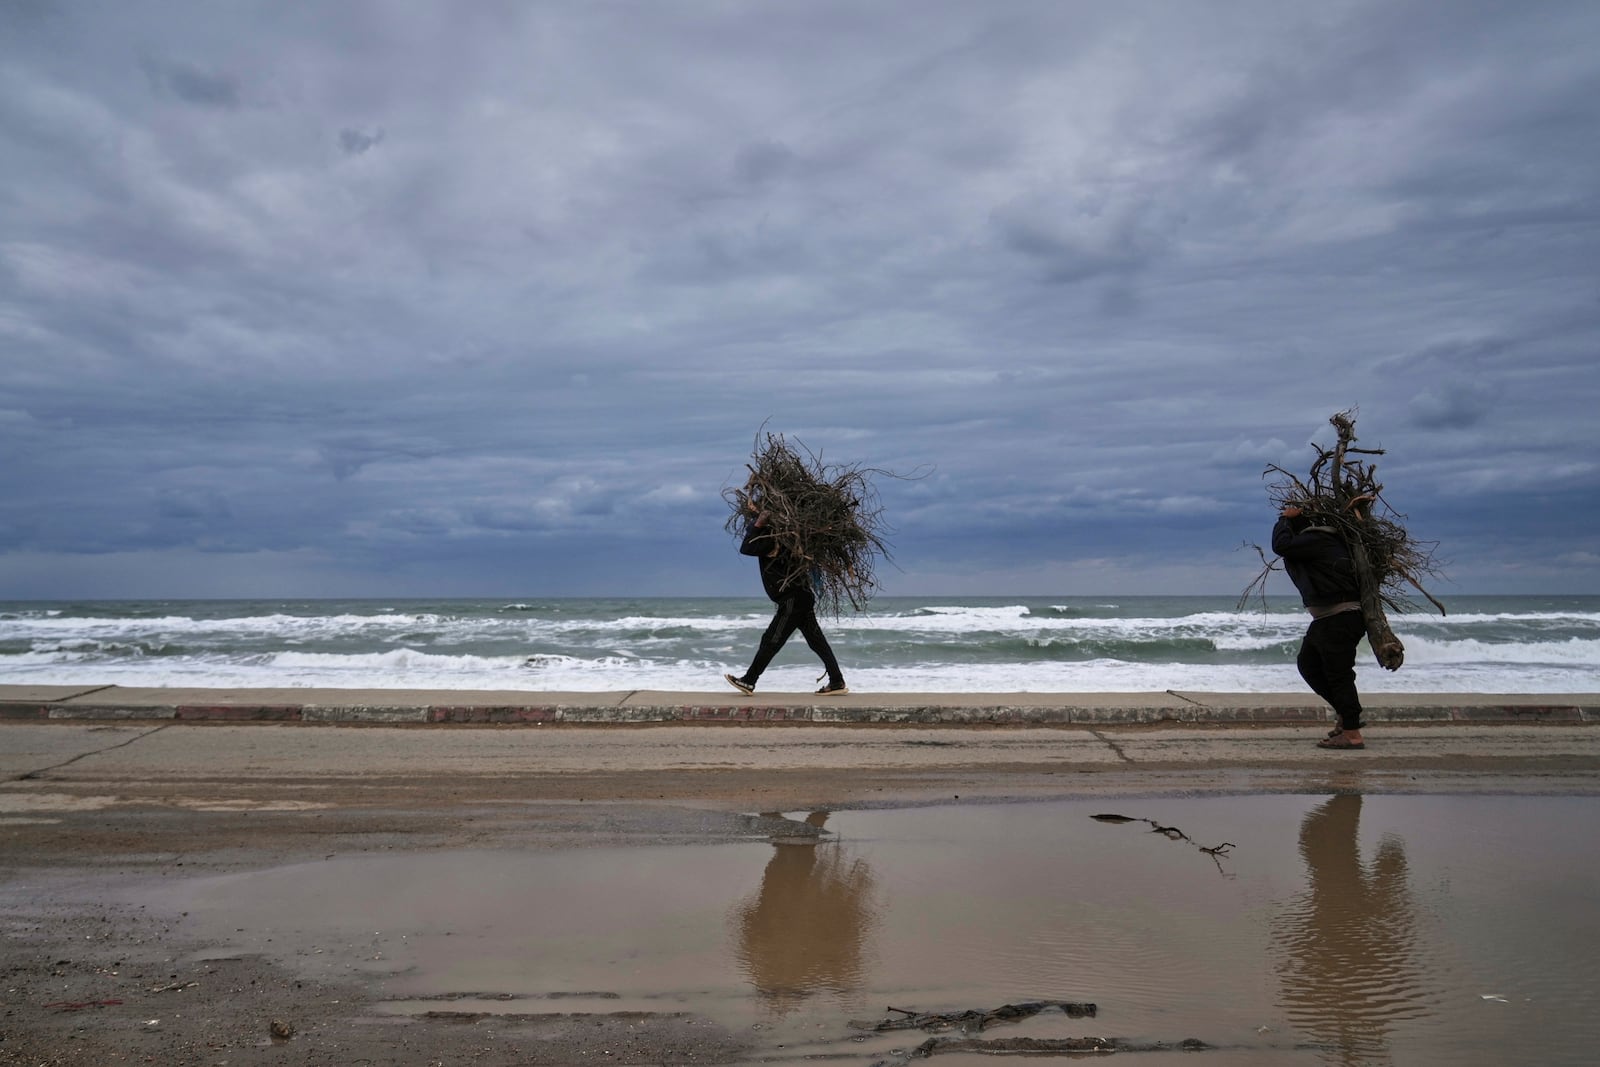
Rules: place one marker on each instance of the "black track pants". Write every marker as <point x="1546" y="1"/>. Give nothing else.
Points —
<point x="794" y="613"/>
<point x="1327" y="662"/>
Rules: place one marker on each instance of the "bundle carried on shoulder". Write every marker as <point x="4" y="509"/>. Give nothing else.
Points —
<point x="826" y="518"/>
<point x="1342" y="491"/>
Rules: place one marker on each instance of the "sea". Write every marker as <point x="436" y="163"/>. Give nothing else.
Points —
<point x="1052" y="644"/>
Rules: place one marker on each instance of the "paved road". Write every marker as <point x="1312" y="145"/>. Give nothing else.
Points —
<point x="75" y="765"/>
<point x="133" y="755"/>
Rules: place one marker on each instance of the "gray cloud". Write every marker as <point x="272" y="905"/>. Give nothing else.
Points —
<point x="1082" y="238"/>
<point x="358" y="142"/>
<point x="518" y="317"/>
<point x="194" y="86"/>
<point x="762" y="163"/>
<point x="1455" y="405"/>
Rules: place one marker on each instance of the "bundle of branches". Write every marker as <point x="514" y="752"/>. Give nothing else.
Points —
<point x="1342" y="491"/>
<point x="826" y="518"/>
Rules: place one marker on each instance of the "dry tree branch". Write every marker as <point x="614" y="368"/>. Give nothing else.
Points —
<point x="1258" y="586"/>
<point x="1342" y="491"/>
<point x="826" y="517"/>
<point x="975" y="1019"/>
<point x="1172" y="833"/>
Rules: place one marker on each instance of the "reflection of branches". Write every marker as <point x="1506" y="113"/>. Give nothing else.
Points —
<point x="1172" y="833"/>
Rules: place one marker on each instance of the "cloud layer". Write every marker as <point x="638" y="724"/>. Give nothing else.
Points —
<point x="375" y="299"/>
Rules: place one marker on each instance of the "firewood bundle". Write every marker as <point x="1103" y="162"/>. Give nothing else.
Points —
<point x="826" y="518"/>
<point x="1342" y="491"/>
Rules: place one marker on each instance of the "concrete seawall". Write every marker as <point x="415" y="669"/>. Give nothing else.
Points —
<point x="442" y="707"/>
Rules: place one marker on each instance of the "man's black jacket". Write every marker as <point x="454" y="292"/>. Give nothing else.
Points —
<point x="758" y="542"/>
<point x="1318" y="563"/>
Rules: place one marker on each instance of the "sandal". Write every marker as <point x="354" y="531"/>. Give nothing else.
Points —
<point x="1338" y="740"/>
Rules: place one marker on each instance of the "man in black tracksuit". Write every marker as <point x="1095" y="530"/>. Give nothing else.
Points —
<point x="797" y="610"/>
<point x="1319" y="564"/>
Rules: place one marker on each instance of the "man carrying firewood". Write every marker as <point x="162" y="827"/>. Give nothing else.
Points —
<point x="785" y="582"/>
<point x="1319" y="563"/>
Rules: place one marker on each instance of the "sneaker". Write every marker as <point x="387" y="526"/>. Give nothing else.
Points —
<point x="740" y="684"/>
<point x="833" y="689"/>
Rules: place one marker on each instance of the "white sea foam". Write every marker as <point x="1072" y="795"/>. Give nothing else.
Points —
<point x="933" y="619"/>
<point x="963" y="648"/>
<point x="268" y="625"/>
<point x="1426" y="670"/>
<point x="1574" y="652"/>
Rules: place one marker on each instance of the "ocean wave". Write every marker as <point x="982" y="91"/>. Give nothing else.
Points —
<point x="392" y="661"/>
<point x="83" y="649"/>
<point x="245" y="624"/>
<point x="899" y="645"/>
<point x="1578" y="618"/>
<point x="1231" y="629"/>
<point x="1178" y="648"/>
<point x="412" y="669"/>
<point x="655" y="623"/>
<point x="1009" y="611"/>
<point x="1574" y="651"/>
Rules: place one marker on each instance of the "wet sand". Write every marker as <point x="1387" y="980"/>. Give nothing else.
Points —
<point x="113" y="829"/>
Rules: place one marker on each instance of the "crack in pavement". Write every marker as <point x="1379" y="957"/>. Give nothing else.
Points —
<point x="1112" y="745"/>
<point x="42" y="771"/>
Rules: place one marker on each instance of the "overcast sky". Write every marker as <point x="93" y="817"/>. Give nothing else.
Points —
<point x="493" y="298"/>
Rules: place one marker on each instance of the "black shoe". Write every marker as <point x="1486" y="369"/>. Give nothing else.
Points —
<point x="740" y="684"/>
<point x="834" y="689"/>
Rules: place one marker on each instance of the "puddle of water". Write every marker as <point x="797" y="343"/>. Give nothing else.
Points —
<point x="1343" y="930"/>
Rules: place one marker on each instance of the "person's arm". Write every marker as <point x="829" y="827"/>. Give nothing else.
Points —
<point x="758" y="539"/>
<point x="1283" y="535"/>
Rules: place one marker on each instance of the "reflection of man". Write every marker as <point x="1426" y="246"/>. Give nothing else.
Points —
<point x="803" y="932"/>
<point x="1348" y="971"/>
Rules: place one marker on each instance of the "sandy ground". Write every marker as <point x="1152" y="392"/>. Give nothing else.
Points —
<point x="88" y="808"/>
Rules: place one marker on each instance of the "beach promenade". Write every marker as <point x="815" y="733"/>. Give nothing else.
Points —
<point x="283" y="749"/>
<point x="403" y="706"/>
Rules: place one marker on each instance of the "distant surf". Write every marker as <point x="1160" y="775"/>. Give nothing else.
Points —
<point x="901" y="644"/>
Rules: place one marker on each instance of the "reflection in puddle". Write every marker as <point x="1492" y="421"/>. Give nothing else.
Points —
<point x="1335" y="931"/>
<point x="804" y="931"/>
<point x="1350" y="971"/>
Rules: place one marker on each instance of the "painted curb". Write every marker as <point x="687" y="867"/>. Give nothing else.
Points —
<point x="951" y="714"/>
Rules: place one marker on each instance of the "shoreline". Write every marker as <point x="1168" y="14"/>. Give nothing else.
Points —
<point x="53" y="703"/>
